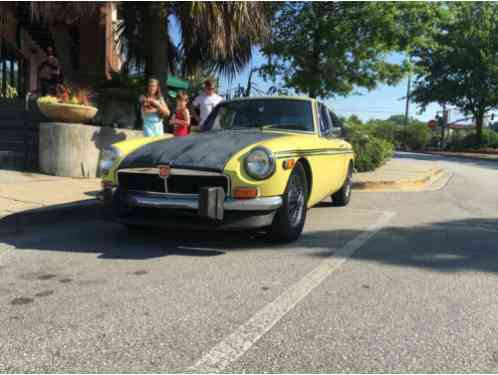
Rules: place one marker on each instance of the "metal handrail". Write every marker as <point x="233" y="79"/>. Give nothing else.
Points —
<point x="26" y="130"/>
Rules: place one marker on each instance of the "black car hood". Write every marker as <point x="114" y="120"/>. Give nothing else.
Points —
<point x="208" y="151"/>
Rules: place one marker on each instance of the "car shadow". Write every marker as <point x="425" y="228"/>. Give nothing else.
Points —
<point x="449" y="246"/>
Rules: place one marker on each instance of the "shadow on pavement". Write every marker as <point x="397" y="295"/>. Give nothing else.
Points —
<point x="451" y="246"/>
<point x="489" y="164"/>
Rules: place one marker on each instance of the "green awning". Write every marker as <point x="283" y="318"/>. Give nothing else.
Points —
<point x="177" y="83"/>
<point x="173" y="82"/>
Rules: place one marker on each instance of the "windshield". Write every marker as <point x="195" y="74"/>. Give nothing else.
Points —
<point x="285" y="114"/>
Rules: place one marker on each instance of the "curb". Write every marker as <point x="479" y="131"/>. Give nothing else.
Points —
<point x="431" y="176"/>
<point x="473" y="156"/>
<point x="21" y="221"/>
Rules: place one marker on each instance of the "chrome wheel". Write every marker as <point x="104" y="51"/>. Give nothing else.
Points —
<point x="296" y="200"/>
<point x="349" y="185"/>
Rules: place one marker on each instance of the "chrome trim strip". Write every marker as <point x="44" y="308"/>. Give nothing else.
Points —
<point x="322" y="153"/>
<point x="174" y="171"/>
<point x="192" y="203"/>
<point x="163" y="202"/>
<point x="155" y="194"/>
<point x="256" y="204"/>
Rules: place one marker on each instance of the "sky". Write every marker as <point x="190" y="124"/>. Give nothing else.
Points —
<point x="380" y="103"/>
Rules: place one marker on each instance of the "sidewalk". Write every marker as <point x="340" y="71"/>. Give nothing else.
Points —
<point x="21" y="191"/>
<point x="30" y="199"/>
<point x="399" y="175"/>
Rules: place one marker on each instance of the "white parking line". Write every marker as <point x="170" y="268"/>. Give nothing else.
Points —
<point x="241" y="340"/>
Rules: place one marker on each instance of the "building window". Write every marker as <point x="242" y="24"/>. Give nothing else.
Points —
<point x="13" y="70"/>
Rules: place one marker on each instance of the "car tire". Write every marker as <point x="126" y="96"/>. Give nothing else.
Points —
<point x="342" y="197"/>
<point x="289" y="219"/>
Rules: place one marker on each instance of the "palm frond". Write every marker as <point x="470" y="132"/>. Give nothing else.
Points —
<point x="133" y="33"/>
<point x="220" y="35"/>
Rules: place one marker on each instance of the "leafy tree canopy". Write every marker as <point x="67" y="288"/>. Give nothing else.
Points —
<point x="327" y="48"/>
<point x="458" y="63"/>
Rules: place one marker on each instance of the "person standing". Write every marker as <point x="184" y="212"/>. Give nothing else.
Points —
<point x="206" y="102"/>
<point x="49" y="72"/>
<point x="153" y="109"/>
<point x="181" y="120"/>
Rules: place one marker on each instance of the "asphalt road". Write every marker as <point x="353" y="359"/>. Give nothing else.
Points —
<point x="396" y="282"/>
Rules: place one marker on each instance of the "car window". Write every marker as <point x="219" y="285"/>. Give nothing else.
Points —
<point x="336" y="122"/>
<point x="286" y="114"/>
<point x="325" y="125"/>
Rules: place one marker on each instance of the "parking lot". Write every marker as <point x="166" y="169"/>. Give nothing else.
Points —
<point x="394" y="282"/>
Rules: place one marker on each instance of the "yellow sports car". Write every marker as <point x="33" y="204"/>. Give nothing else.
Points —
<point x="258" y="163"/>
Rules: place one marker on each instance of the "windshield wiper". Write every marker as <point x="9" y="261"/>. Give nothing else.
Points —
<point x="281" y="126"/>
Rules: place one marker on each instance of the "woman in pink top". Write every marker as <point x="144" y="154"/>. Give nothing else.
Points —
<point x="181" y="120"/>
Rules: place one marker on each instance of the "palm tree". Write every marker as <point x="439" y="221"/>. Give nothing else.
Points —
<point x="215" y="36"/>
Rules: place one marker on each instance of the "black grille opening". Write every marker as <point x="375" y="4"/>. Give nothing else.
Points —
<point x="141" y="182"/>
<point x="179" y="184"/>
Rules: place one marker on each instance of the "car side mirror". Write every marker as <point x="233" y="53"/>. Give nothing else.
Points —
<point x="337" y="132"/>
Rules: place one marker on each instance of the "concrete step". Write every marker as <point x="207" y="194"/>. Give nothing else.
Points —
<point x="16" y="140"/>
<point x="12" y="116"/>
<point x="11" y="160"/>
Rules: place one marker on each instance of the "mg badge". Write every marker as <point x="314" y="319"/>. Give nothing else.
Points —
<point x="164" y="172"/>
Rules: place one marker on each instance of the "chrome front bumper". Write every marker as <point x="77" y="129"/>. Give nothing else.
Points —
<point x="191" y="202"/>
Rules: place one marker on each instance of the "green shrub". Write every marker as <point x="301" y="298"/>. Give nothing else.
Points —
<point x="435" y="140"/>
<point x="386" y="130"/>
<point x="454" y="141"/>
<point x="370" y="151"/>
<point x="414" y="136"/>
<point x="458" y="142"/>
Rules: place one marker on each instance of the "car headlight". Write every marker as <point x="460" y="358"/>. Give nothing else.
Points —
<point x="108" y="158"/>
<point x="259" y="163"/>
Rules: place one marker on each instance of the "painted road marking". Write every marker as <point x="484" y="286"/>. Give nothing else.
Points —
<point x="242" y="339"/>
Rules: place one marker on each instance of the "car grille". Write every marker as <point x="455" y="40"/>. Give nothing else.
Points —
<point x="180" y="181"/>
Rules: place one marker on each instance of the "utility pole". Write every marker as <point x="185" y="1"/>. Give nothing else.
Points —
<point x="407" y="104"/>
<point x="444" y="125"/>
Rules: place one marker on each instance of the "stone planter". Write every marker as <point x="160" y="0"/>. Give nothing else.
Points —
<point x="74" y="150"/>
<point x="67" y="112"/>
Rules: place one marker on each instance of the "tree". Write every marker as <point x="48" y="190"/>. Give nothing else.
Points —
<point x="354" y="119"/>
<point x="325" y="49"/>
<point x="400" y="120"/>
<point x="458" y="65"/>
<point x="215" y="36"/>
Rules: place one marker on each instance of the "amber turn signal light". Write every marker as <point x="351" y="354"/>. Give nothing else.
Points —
<point x="289" y="163"/>
<point x="245" y="192"/>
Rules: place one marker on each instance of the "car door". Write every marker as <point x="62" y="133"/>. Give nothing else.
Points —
<point x="334" y="146"/>
<point x="344" y="148"/>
